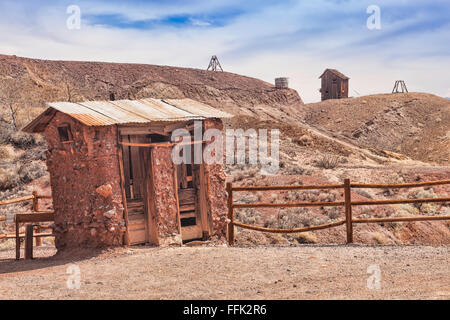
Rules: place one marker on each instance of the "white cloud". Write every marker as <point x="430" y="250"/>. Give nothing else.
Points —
<point x="294" y="39"/>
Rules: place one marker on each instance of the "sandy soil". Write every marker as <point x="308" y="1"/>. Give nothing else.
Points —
<point x="275" y="272"/>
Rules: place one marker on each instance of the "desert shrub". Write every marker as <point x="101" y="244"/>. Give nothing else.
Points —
<point x="7" y="152"/>
<point x="327" y="161"/>
<point x="248" y="216"/>
<point x="292" y="218"/>
<point x="9" y="177"/>
<point x="364" y="193"/>
<point x="32" y="170"/>
<point x="333" y="212"/>
<point x="6" y="130"/>
<point x="295" y="169"/>
<point x="422" y="193"/>
<point x="33" y="154"/>
<point x="306" y="237"/>
<point x="379" y="238"/>
<point x="304" y="140"/>
<point x="24" y="140"/>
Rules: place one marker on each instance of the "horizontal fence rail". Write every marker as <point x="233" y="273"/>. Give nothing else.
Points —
<point x="36" y="216"/>
<point x="347" y="204"/>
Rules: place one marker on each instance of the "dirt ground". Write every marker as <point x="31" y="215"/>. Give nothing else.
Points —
<point x="269" y="272"/>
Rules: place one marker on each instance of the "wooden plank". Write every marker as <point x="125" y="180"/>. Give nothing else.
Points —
<point x="185" y="208"/>
<point x="136" y="168"/>
<point x="5" y="202"/>
<point x="293" y="230"/>
<point x="123" y="189"/>
<point x="135" y="203"/>
<point x="289" y="205"/>
<point x="144" y="159"/>
<point x="35" y="217"/>
<point x="398" y="201"/>
<point x="186" y="196"/>
<point x="291" y="187"/>
<point x="177" y="197"/>
<point x="348" y="210"/>
<point x="29" y="242"/>
<point x="22" y="235"/>
<point x="182" y="176"/>
<point x="150" y="203"/>
<point x="137" y="236"/>
<point x="203" y="203"/>
<point x="189" y="214"/>
<point x="126" y="166"/>
<point x="402" y="185"/>
<point x="230" y="214"/>
<point x="402" y="219"/>
<point x="137" y="225"/>
<point x="191" y="232"/>
<point x="17" y="240"/>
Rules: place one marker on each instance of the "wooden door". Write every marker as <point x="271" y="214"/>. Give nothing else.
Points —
<point x="188" y="198"/>
<point x="192" y="200"/>
<point x="136" y="172"/>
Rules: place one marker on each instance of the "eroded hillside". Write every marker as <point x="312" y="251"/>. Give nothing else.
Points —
<point x="43" y="80"/>
<point x="414" y="124"/>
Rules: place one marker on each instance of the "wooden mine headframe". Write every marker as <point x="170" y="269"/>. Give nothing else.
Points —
<point x="214" y="64"/>
<point x="399" y="87"/>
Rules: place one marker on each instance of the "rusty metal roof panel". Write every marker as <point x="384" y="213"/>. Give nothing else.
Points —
<point x="83" y="114"/>
<point x="105" y="113"/>
<point x="113" y="111"/>
<point x="198" y="108"/>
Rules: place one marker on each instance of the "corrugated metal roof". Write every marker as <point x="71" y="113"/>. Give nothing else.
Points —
<point x="105" y="113"/>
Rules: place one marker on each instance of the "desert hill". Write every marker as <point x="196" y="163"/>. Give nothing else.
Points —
<point x="43" y="80"/>
<point x="414" y="124"/>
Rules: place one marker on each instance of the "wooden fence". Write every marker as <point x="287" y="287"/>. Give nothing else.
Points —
<point x="36" y="216"/>
<point x="347" y="186"/>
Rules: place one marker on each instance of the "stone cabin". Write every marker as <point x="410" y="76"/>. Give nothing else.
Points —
<point x="334" y="85"/>
<point x="113" y="179"/>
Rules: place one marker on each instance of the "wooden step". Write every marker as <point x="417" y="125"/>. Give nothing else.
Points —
<point x="191" y="232"/>
<point x="187" y="208"/>
<point x="186" y="196"/>
<point x="190" y="214"/>
<point x="134" y="203"/>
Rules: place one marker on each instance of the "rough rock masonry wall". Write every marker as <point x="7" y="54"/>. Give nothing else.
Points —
<point x="216" y="195"/>
<point x="85" y="183"/>
<point x="164" y="196"/>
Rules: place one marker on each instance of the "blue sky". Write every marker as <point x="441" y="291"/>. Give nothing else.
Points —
<point x="263" y="39"/>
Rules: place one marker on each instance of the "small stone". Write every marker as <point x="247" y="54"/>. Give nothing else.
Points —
<point x="104" y="190"/>
<point x="109" y="214"/>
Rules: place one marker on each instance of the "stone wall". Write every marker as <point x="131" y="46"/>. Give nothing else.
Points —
<point x="217" y="195"/>
<point x="164" y="196"/>
<point x="85" y="183"/>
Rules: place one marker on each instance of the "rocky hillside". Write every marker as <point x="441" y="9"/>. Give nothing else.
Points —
<point x="413" y="124"/>
<point x="44" y="80"/>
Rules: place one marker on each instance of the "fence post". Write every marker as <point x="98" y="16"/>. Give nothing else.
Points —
<point x="17" y="238"/>
<point x="36" y="209"/>
<point x="348" y="210"/>
<point x="230" y="214"/>
<point x="35" y="201"/>
<point x="29" y="242"/>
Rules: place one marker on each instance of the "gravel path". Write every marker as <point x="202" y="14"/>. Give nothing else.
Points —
<point x="303" y="272"/>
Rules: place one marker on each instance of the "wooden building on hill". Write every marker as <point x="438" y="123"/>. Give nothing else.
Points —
<point x="334" y="85"/>
<point x="113" y="179"/>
